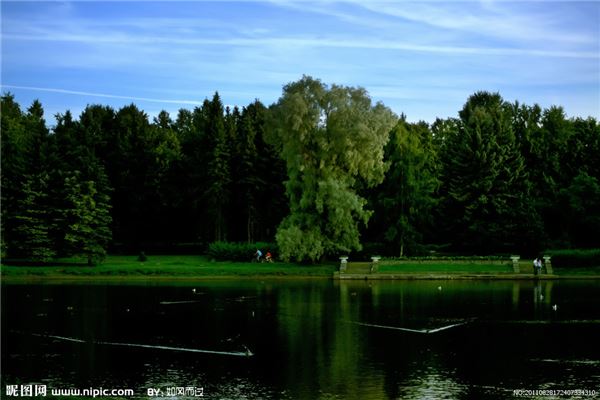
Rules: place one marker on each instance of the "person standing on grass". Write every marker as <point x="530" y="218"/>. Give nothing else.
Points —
<point x="537" y="266"/>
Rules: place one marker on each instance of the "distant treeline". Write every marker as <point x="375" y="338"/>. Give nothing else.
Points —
<point x="501" y="177"/>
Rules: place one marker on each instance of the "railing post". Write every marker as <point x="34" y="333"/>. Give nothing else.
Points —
<point x="515" y="264"/>
<point x="375" y="264"/>
<point x="343" y="264"/>
<point x="548" y="264"/>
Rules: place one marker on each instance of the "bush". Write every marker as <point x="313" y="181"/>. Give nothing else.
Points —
<point x="574" y="258"/>
<point x="451" y="258"/>
<point x="233" y="251"/>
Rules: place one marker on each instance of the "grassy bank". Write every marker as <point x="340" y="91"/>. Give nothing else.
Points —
<point x="577" y="271"/>
<point x="451" y="268"/>
<point x="201" y="267"/>
<point x="167" y="266"/>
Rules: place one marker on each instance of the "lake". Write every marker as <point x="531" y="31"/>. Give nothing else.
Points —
<point x="304" y="339"/>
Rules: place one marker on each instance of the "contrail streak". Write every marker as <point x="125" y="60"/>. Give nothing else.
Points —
<point x="104" y="95"/>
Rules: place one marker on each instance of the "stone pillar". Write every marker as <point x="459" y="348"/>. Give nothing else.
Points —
<point x="548" y="264"/>
<point x="375" y="264"/>
<point x="343" y="264"/>
<point x="515" y="263"/>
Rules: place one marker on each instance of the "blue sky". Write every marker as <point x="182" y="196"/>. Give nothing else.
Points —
<point x="420" y="58"/>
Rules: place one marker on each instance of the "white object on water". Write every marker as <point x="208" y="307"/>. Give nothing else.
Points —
<point x="426" y="331"/>
<point x="245" y="353"/>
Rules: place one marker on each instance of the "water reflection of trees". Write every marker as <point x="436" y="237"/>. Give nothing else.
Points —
<point x="324" y="351"/>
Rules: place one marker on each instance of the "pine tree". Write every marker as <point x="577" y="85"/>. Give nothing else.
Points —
<point x="166" y="147"/>
<point x="219" y="178"/>
<point x="33" y="222"/>
<point x="13" y="170"/>
<point x="33" y="240"/>
<point x="64" y="157"/>
<point x="132" y="164"/>
<point x="486" y="186"/>
<point x="405" y="200"/>
<point x="81" y="191"/>
<point x="271" y="174"/>
<point x="247" y="178"/>
<point x="189" y="175"/>
<point x="87" y="230"/>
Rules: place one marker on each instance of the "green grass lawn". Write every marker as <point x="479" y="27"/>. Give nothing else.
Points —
<point x="449" y="268"/>
<point x="178" y="266"/>
<point x="578" y="271"/>
<point x="185" y="266"/>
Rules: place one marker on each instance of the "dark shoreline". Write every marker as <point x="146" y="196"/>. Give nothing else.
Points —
<point x="59" y="279"/>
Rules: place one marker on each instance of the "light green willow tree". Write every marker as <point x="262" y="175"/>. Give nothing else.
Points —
<point x="331" y="138"/>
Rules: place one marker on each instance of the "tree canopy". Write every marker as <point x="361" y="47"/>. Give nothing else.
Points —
<point x="330" y="137"/>
<point x="324" y="171"/>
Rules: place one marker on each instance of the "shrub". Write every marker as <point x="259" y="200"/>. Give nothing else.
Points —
<point x="234" y="251"/>
<point x="451" y="258"/>
<point x="574" y="258"/>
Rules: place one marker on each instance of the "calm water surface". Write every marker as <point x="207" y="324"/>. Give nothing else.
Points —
<point x="311" y="339"/>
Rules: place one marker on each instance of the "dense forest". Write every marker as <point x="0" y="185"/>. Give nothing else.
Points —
<point x="322" y="171"/>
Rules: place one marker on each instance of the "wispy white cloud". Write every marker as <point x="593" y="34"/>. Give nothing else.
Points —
<point x="496" y="20"/>
<point x="283" y="42"/>
<point x="542" y="28"/>
<point x="410" y="54"/>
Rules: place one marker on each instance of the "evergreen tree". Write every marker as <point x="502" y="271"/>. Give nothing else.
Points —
<point x="189" y="175"/>
<point x="218" y="168"/>
<point x="248" y="182"/>
<point x="485" y="179"/>
<point x="13" y="169"/>
<point x="65" y="156"/>
<point x="581" y="208"/>
<point x="36" y="139"/>
<point x="258" y="174"/>
<point x="405" y="200"/>
<point x="97" y="129"/>
<point x="511" y="177"/>
<point x="87" y="230"/>
<point x="271" y="174"/>
<point x="550" y="172"/>
<point x="33" y="222"/>
<point x="583" y="147"/>
<point x="32" y="232"/>
<point x="166" y="147"/>
<point x="133" y="164"/>
<point x="243" y="171"/>
<point x="80" y="189"/>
